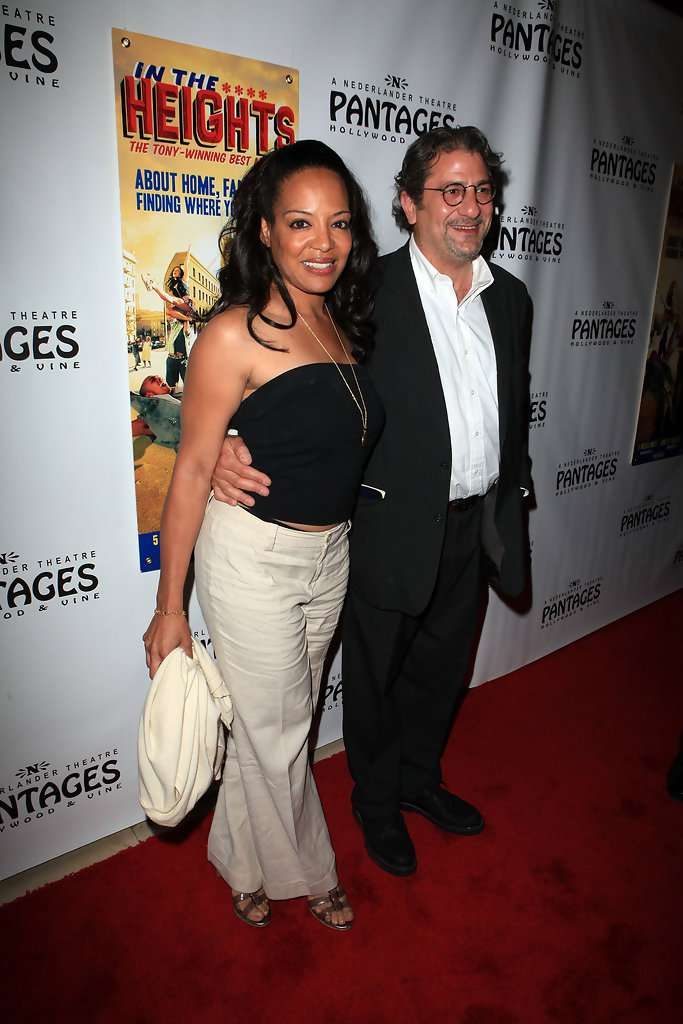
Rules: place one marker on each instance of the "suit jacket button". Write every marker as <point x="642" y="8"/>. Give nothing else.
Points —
<point x="438" y="517"/>
<point x="444" y="465"/>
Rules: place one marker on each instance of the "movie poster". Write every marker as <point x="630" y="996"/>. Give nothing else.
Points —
<point x="659" y="431"/>
<point x="190" y="122"/>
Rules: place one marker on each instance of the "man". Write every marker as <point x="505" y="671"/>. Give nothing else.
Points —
<point x="158" y="411"/>
<point x="443" y="492"/>
<point x="154" y="385"/>
<point x="176" y="354"/>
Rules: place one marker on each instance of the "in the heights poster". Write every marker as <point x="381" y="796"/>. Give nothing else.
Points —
<point x="190" y="123"/>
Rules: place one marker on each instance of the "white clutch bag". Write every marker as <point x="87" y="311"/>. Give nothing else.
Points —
<point x="181" y="739"/>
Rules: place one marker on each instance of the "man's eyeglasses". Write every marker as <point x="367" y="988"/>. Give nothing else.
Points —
<point x="453" y="195"/>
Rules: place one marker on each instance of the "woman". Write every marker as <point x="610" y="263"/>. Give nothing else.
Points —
<point x="147" y="350"/>
<point x="278" y="360"/>
<point x="180" y="310"/>
<point x="179" y="305"/>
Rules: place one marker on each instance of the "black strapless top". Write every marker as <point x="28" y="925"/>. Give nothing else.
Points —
<point x="304" y="430"/>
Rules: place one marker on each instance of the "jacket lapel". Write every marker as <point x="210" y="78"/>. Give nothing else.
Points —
<point x="400" y="281"/>
<point x="415" y="334"/>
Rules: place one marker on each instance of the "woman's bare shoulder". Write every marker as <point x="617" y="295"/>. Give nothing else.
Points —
<point x="228" y="328"/>
<point x="225" y="336"/>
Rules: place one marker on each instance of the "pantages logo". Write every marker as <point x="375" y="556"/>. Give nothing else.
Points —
<point x="57" y="581"/>
<point x="332" y="697"/>
<point x="589" y="470"/>
<point x="385" y="110"/>
<point x="539" y="406"/>
<point x="647" y="513"/>
<point x="39" y="791"/>
<point x="608" y="325"/>
<point x="534" y="34"/>
<point x="579" y="595"/>
<point x="623" y="163"/>
<point x="527" y="237"/>
<point x="28" y="46"/>
<point x="203" y="638"/>
<point x="40" y="340"/>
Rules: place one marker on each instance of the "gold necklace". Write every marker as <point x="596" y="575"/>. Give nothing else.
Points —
<point x="362" y="408"/>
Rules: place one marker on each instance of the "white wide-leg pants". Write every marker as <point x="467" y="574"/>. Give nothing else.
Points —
<point x="271" y="597"/>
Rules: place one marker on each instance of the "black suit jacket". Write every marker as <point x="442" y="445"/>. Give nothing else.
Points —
<point x="396" y="543"/>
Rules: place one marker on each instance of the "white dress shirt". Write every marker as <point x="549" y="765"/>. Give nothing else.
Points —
<point x="466" y="358"/>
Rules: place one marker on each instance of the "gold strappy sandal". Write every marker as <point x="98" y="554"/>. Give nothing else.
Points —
<point x="322" y="908"/>
<point x="244" y="902"/>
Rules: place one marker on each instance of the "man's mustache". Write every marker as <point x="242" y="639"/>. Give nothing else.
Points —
<point x="477" y="222"/>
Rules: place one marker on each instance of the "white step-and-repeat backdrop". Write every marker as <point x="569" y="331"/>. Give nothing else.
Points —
<point x="126" y="128"/>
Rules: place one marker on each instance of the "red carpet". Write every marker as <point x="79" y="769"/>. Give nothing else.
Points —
<point x="568" y="909"/>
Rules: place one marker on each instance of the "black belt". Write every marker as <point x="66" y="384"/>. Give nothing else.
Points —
<point x="462" y="504"/>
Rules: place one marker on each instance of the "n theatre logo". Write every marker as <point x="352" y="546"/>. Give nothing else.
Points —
<point x="603" y="327"/>
<point x="39" y="791"/>
<point x="588" y="470"/>
<point x="623" y="164"/>
<point x="387" y="110"/>
<point x="40" y="340"/>
<point x="533" y="35"/>
<point x="332" y="698"/>
<point x="202" y="637"/>
<point x="578" y="597"/>
<point x="62" y="580"/>
<point x="648" y="513"/>
<point x="28" y="48"/>
<point x="529" y="238"/>
<point x="539" y="407"/>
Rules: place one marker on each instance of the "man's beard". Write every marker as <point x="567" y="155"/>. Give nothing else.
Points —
<point x="455" y="248"/>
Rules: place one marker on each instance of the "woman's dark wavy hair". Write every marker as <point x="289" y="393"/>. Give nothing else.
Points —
<point x="249" y="271"/>
<point x="173" y="281"/>
<point x="421" y="155"/>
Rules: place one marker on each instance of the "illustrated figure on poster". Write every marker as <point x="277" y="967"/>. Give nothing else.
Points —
<point x="677" y="371"/>
<point x="280" y="360"/>
<point x="147" y="350"/>
<point x="132" y="354"/>
<point x="442" y="505"/>
<point x="661" y="406"/>
<point x="659" y="428"/>
<point x="671" y="302"/>
<point x="180" y="310"/>
<point x="671" y="354"/>
<point x="158" y="411"/>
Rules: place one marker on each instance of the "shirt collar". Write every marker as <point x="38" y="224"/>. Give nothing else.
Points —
<point x="481" y="272"/>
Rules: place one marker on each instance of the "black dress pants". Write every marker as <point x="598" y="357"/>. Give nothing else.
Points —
<point x="175" y="370"/>
<point x="403" y="675"/>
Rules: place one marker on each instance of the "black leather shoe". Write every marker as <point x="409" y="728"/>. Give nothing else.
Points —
<point x="674" y="780"/>
<point x="447" y="811"/>
<point x="388" y="844"/>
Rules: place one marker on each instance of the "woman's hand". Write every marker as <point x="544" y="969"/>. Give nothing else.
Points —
<point x="163" y="635"/>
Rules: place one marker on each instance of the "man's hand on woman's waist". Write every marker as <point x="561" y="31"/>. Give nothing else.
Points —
<point x="234" y="476"/>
